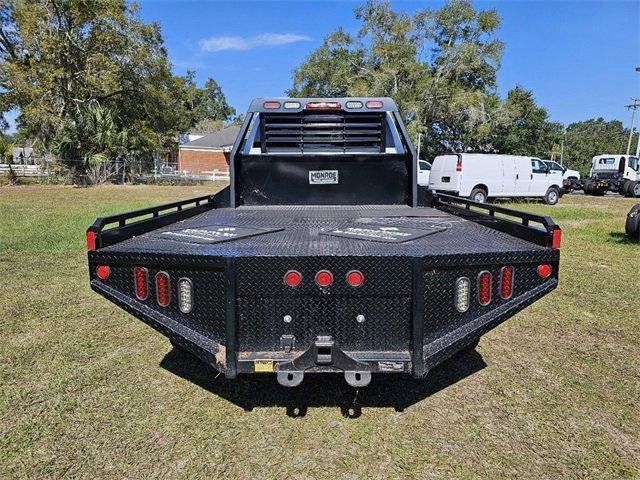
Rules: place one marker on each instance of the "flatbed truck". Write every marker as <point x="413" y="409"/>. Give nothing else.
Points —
<point x="323" y="255"/>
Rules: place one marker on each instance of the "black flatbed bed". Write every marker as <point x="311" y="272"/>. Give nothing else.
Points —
<point x="300" y="227"/>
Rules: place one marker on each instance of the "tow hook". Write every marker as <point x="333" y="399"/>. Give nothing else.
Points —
<point x="324" y="354"/>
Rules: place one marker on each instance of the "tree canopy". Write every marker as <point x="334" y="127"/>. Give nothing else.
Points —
<point x="90" y="78"/>
<point x="440" y="66"/>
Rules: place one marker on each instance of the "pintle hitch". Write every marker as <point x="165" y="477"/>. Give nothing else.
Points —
<point x="324" y="354"/>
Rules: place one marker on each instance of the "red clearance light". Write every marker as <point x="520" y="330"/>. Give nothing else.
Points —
<point x="323" y="106"/>
<point x="506" y="282"/>
<point x="374" y="104"/>
<point x="92" y="239"/>
<point x="545" y="270"/>
<point x="103" y="272"/>
<point x="484" y="288"/>
<point x="324" y="278"/>
<point x="271" y="105"/>
<point x="292" y="278"/>
<point x="163" y="289"/>
<point x="355" y="278"/>
<point x="554" y="238"/>
<point x="141" y="282"/>
<point x="459" y="165"/>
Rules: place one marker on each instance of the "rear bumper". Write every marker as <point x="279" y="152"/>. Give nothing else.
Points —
<point x="410" y="323"/>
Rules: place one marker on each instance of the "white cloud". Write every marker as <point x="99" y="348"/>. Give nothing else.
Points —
<point x="218" y="44"/>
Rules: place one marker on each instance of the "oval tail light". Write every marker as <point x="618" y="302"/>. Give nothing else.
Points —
<point x="163" y="289"/>
<point x="484" y="288"/>
<point x="141" y="282"/>
<point x="506" y="282"/>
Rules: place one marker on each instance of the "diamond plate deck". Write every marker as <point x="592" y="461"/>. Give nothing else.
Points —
<point x="301" y="227"/>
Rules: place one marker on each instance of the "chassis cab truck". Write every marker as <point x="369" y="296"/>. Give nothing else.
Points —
<point x="323" y="255"/>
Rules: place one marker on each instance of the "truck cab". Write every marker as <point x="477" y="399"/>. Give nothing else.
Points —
<point x="323" y="255"/>
<point x="615" y="173"/>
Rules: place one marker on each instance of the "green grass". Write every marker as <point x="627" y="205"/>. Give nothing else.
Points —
<point x="88" y="391"/>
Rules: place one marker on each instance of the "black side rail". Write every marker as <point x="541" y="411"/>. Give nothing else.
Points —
<point x="130" y="224"/>
<point x="517" y="224"/>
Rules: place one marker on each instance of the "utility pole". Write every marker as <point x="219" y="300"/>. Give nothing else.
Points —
<point x="638" y="145"/>
<point x="633" y="107"/>
<point x="419" y="138"/>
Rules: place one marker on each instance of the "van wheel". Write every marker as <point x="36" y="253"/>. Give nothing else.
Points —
<point x="552" y="196"/>
<point x="478" y="195"/>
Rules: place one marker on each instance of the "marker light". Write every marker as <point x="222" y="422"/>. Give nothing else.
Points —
<point x="355" y="278"/>
<point x="506" y="282"/>
<point x="92" y="239"/>
<point x="323" y="106"/>
<point x="163" y="289"/>
<point x="271" y="105"/>
<point x="103" y="272"/>
<point x="462" y="293"/>
<point x="545" y="270"/>
<point x="484" y="288"/>
<point x="290" y="105"/>
<point x="324" y="278"/>
<point x="141" y="282"/>
<point x="292" y="278"/>
<point x="459" y="165"/>
<point x="554" y="238"/>
<point x="185" y="295"/>
<point x="354" y="104"/>
<point x="374" y="104"/>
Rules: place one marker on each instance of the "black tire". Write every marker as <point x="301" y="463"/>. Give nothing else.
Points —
<point x="634" y="190"/>
<point x="478" y="195"/>
<point x="588" y="188"/>
<point x="632" y="227"/>
<point x="552" y="196"/>
<point x="624" y="189"/>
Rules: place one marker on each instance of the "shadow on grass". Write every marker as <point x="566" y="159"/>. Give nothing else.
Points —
<point x="623" y="238"/>
<point x="397" y="391"/>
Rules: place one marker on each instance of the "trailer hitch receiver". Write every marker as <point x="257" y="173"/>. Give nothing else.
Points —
<point x="324" y="354"/>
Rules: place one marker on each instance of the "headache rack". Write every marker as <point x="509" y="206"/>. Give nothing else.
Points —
<point x="310" y="132"/>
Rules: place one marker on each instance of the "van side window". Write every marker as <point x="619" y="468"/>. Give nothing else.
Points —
<point x="424" y="165"/>
<point x="538" y="167"/>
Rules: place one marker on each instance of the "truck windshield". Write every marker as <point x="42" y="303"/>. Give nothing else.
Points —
<point x="633" y="163"/>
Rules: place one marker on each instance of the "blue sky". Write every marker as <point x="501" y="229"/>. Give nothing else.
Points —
<point x="577" y="56"/>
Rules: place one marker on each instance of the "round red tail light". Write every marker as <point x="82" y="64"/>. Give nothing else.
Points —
<point x="324" y="278"/>
<point x="292" y="278"/>
<point x="355" y="278"/>
<point x="103" y="272"/>
<point x="545" y="270"/>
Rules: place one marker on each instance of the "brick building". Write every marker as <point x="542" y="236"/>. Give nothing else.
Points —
<point x="207" y="153"/>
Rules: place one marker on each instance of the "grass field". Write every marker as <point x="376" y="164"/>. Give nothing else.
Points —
<point x="88" y="391"/>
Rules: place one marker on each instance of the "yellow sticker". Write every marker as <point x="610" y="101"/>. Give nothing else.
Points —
<point x="263" y="366"/>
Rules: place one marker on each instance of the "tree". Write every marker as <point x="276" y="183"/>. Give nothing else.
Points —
<point x="449" y="96"/>
<point x="69" y="66"/>
<point x="525" y="128"/>
<point x="592" y="137"/>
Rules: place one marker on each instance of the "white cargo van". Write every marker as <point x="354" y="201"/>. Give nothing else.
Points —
<point x="480" y="176"/>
